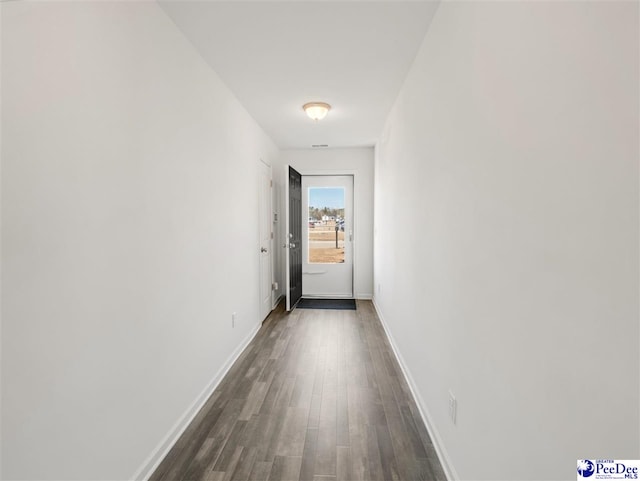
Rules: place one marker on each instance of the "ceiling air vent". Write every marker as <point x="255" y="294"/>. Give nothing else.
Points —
<point x="318" y="146"/>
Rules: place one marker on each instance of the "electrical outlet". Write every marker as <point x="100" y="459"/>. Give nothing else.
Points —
<point x="233" y="319"/>
<point x="453" y="408"/>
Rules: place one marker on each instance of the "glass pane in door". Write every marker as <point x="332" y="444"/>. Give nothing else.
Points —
<point x="326" y="225"/>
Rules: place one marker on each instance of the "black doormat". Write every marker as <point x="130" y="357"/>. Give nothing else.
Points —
<point x="343" y="304"/>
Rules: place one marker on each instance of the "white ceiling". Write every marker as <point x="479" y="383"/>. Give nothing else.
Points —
<point x="276" y="56"/>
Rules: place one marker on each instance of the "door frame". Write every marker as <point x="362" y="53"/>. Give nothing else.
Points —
<point x="332" y="172"/>
<point x="310" y="181"/>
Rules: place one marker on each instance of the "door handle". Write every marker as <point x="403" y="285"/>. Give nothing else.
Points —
<point x="263" y="249"/>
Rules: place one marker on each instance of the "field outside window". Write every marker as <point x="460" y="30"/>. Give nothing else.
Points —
<point x="326" y="225"/>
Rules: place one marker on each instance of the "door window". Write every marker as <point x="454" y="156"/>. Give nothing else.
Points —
<point x="326" y="225"/>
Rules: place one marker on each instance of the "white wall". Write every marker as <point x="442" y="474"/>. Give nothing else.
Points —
<point x="360" y="162"/>
<point x="130" y="234"/>
<point x="1" y="396"/>
<point x="510" y="161"/>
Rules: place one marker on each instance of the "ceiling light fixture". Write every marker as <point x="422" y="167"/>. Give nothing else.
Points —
<point x="316" y="110"/>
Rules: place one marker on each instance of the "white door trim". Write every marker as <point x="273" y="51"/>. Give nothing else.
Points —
<point x="333" y="280"/>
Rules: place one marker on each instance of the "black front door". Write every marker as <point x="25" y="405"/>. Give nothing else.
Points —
<point x="295" y="238"/>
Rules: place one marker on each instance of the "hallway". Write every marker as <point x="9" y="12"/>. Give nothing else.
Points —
<point x="494" y="152"/>
<point x="317" y="395"/>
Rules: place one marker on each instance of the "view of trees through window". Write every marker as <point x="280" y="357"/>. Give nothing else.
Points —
<point x="326" y="225"/>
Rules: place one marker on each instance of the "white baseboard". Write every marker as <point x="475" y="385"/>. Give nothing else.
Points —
<point x="276" y="302"/>
<point x="155" y="458"/>
<point x="364" y="297"/>
<point x="443" y="457"/>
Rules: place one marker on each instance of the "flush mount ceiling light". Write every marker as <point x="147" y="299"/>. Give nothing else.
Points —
<point x="316" y="110"/>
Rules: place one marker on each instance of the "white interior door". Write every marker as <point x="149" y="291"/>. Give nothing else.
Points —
<point x="327" y="236"/>
<point x="266" y="229"/>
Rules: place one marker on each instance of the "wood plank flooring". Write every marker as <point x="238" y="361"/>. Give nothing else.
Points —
<point x="317" y="396"/>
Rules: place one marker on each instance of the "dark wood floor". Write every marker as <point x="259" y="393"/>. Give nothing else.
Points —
<point x="317" y="396"/>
